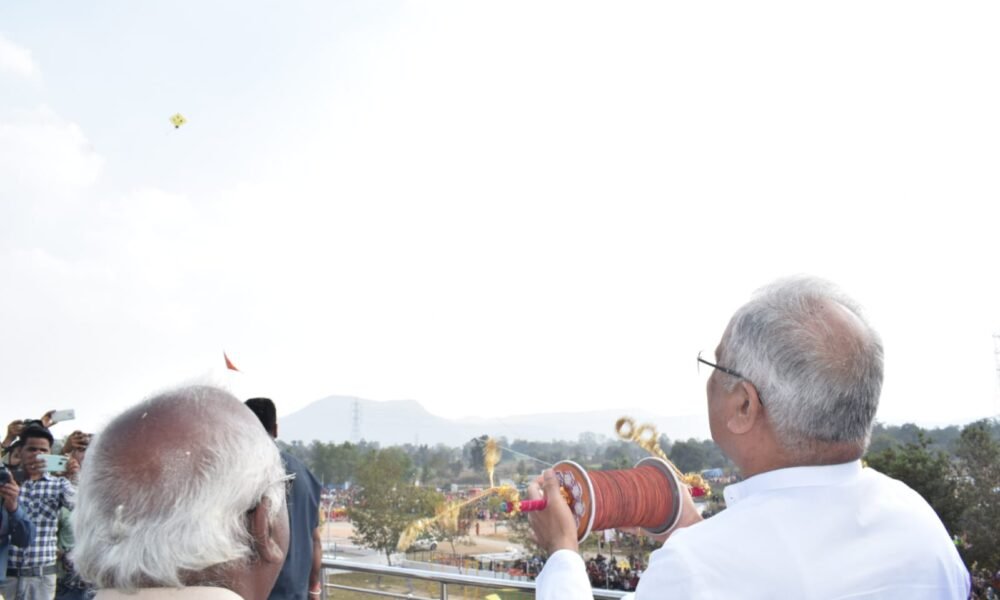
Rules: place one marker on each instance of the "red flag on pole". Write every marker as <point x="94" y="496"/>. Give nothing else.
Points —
<point x="229" y="363"/>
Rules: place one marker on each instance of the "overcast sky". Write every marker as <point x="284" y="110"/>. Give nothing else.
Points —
<point x="491" y="208"/>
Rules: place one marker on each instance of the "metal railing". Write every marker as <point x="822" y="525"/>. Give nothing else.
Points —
<point x="442" y="579"/>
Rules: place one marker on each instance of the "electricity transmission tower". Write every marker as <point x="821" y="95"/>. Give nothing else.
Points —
<point x="356" y="422"/>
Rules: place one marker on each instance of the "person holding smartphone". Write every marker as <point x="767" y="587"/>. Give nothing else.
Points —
<point x="69" y="585"/>
<point x="31" y="568"/>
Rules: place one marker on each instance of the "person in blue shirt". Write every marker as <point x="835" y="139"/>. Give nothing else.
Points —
<point x="300" y="575"/>
<point x="14" y="524"/>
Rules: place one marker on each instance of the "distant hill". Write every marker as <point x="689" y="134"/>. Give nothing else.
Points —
<point x="397" y="422"/>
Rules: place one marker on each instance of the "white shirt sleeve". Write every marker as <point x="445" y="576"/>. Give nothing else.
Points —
<point x="564" y="577"/>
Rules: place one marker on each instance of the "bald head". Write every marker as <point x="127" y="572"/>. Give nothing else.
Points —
<point x="164" y="499"/>
<point x="173" y="436"/>
<point x="813" y="358"/>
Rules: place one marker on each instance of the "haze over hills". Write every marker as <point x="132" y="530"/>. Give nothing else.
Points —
<point x="407" y="422"/>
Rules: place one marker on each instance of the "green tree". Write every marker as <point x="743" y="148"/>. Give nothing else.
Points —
<point x="620" y="454"/>
<point x="343" y="462"/>
<point x="714" y="457"/>
<point x="388" y="502"/>
<point x="979" y="459"/>
<point x="588" y="444"/>
<point x="329" y="462"/>
<point x="689" y="456"/>
<point x="474" y="451"/>
<point x="929" y="472"/>
<point x="882" y="438"/>
<point x="296" y="449"/>
<point x="665" y="443"/>
<point x="320" y="460"/>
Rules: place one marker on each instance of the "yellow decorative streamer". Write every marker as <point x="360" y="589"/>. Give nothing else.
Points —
<point x="447" y="514"/>
<point x="491" y="456"/>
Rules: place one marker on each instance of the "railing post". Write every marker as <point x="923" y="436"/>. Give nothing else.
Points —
<point x="444" y="590"/>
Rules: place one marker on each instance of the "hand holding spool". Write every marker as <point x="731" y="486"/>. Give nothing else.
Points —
<point x="648" y="495"/>
<point x="651" y="495"/>
<point x="555" y="528"/>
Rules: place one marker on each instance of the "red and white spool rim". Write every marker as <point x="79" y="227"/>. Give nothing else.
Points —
<point x="579" y="471"/>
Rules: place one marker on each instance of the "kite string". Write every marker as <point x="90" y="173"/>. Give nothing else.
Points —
<point x="529" y="457"/>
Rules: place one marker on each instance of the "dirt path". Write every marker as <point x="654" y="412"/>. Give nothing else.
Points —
<point x="491" y="539"/>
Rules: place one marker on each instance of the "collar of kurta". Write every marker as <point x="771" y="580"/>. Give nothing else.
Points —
<point x="792" y="477"/>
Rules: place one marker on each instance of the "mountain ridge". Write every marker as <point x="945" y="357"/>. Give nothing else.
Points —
<point x="395" y="422"/>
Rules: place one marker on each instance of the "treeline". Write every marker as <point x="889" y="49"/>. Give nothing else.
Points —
<point x="945" y="439"/>
<point x="441" y="465"/>
<point x="521" y="460"/>
<point x="957" y="470"/>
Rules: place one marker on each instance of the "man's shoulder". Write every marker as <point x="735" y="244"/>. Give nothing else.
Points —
<point x="184" y="593"/>
<point x="851" y="521"/>
<point x="303" y="476"/>
<point x="901" y="504"/>
<point x="290" y="459"/>
<point x="294" y="464"/>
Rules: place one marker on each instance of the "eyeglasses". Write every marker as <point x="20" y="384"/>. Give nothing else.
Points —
<point x="286" y="483"/>
<point x="728" y="371"/>
<point x="723" y="369"/>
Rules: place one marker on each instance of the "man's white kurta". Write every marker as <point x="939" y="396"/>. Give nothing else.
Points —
<point x="839" y="531"/>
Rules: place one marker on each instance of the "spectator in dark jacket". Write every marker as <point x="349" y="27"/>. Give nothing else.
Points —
<point x="14" y="524"/>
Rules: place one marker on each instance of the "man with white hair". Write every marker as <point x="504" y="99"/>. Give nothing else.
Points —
<point x="792" y="392"/>
<point x="183" y="497"/>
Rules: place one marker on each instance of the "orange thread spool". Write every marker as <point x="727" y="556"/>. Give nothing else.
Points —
<point x="647" y="496"/>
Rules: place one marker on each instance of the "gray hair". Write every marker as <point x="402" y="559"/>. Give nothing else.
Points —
<point x="161" y="523"/>
<point x="817" y="383"/>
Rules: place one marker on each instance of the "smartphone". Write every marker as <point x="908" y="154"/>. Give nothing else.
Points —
<point x="63" y="415"/>
<point x="54" y="463"/>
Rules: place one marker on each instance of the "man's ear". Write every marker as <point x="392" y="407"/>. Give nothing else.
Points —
<point x="748" y="411"/>
<point x="262" y="534"/>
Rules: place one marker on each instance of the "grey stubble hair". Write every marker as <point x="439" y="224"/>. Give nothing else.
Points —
<point x="817" y="385"/>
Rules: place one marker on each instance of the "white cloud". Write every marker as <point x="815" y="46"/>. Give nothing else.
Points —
<point x="16" y="59"/>
<point x="39" y="150"/>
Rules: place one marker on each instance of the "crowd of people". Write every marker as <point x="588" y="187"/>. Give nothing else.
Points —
<point x="39" y="492"/>
<point x="335" y="502"/>
<point x="614" y="574"/>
